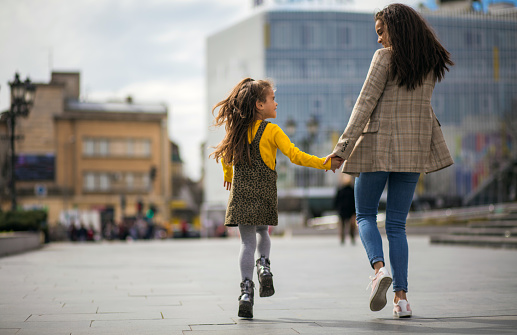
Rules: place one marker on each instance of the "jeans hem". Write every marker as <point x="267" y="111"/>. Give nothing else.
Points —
<point x="377" y="259"/>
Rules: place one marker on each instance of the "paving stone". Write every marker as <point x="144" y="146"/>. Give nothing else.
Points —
<point x="9" y="331"/>
<point x="191" y="287"/>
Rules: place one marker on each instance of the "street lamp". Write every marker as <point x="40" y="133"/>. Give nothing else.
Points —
<point x="22" y="98"/>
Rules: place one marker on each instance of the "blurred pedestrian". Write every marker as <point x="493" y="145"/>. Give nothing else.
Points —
<point x="392" y="136"/>
<point x="72" y="232"/>
<point x="90" y="232"/>
<point x="344" y="203"/>
<point x="82" y="233"/>
<point x="184" y="228"/>
<point x="249" y="148"/>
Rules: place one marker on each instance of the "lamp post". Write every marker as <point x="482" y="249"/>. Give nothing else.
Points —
<point x="22" y="98"/>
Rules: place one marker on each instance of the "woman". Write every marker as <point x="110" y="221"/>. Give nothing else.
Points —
<point x="392" y="136"/>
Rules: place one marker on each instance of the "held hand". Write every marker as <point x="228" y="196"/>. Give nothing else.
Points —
<point x="227" y="185"/>
<point x="336" y="163"/>
<point x="329" y="157"/>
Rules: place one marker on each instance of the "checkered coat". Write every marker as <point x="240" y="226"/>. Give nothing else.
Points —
<point x="391" y="128"/>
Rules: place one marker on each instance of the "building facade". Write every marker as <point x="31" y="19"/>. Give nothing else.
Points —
<point x="319" y="59"/>
<point x="97" y="157"/>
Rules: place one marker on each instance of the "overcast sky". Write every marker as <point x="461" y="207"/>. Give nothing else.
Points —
<point x="152" y="50"/>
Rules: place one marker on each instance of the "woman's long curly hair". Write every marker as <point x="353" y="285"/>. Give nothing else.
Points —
<point x="238" y="112"/>
<point x="415" y="48"/>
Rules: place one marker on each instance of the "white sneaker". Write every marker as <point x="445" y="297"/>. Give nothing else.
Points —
<point x="380" y="284"/>
<point x="402" y="309"/>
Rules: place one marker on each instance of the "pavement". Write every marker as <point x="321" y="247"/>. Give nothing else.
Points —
<point x="190" y="287"/>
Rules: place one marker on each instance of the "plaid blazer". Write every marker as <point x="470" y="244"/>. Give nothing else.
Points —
<point x="392" y="129"/>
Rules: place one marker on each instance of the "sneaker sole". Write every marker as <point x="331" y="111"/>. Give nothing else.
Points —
<point x="378" y="301"/>
<point x="245" y="309"/>
<point x="402" y="315"/>
<point x="266" y="286"/>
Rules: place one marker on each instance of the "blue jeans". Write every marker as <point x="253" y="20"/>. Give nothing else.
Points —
<point x="368" y="190"/>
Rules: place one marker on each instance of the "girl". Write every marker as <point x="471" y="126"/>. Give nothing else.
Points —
<point x="248" y="156"/>
<point x="393" y="136"/>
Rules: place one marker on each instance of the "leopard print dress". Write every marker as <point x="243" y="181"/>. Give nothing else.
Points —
<point x="253" y="196"/>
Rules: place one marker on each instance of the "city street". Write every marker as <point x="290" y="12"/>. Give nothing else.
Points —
<point x="191" y="287"/>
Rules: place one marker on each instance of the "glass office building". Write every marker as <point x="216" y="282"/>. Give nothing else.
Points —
<point x="319" y="59"/>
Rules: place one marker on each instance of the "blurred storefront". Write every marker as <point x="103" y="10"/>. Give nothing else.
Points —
<point x="104" y="157"/>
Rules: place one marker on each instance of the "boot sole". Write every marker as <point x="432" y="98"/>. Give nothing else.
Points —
<point x="245" y="309"/>
<point x="266" y="286"/>
<point x="378" y="301"/>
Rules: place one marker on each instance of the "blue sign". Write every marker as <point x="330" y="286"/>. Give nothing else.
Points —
<point x="40" y="190"/>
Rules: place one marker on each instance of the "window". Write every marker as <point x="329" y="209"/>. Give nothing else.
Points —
<point x="142" y="148"/>
<point x="347" y="67"/>
<point x="130" y="181"/>
<point x="479" y="67"/>
<point x="314" y="68"/>
<point x="473" y="38"/>
<point x="88" y="147"/>
<point x="310" y="37"/>
<point x="115" y="182"/>
<point x="316" y="103"/>
<point x="104" y="182"/>
<point x="282" y="69"/>
<point x="486" y="104"/>
<point x="130" y="147"/>
<point x="146" y="148"/>
<point x="281" y="36"/>
<point x="89" y="181"/>
<point x="103" y="147"/>
<point x="344" y="35"/>
<point x="512" y="68"/>
<point x="116" y="147"/>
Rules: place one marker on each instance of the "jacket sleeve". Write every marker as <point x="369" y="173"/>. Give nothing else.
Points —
<point x="372" y="90"/>
<point x="295" y="155"/>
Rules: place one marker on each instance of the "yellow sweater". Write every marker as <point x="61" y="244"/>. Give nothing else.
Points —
<point x="274" y="138"/>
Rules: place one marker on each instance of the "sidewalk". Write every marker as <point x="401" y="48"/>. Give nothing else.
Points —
<point x="190" y="287"/>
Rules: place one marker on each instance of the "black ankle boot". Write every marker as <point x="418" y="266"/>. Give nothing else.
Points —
<point x="265" y="277"/>
<point x="246" y="299"/>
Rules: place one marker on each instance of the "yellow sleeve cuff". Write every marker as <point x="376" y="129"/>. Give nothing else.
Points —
<point x="228" y="171"/>
<point x="328" y="165"/>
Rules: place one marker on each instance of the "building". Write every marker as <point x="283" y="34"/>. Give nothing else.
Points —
<point x="319" y="58"/>
<point x="186" y="197"/>
<point x="103" y="158"/>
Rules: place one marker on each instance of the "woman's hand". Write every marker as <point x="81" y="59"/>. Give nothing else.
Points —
<point x="331" y="156"/>
<point x="336" y="163"/>
<point x="227" y="185"/>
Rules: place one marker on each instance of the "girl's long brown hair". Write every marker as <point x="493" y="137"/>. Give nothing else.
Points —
<point x="415" y="48"/>
<point x="238" y="112"/>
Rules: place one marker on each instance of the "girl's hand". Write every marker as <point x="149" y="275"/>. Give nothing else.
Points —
<point x="329" y="157"/>
<point x="227" y="185"/>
